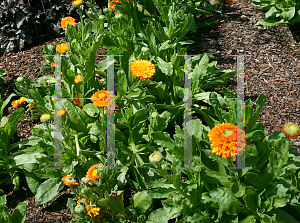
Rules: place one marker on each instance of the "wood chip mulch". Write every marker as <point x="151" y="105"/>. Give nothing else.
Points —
<point x="271" y="67"/>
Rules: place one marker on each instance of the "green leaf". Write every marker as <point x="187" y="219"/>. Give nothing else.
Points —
<point x="137" y="118"/>
<point x="142" y="201"/>
<point x="19" y="214"/>
<point x="282" y="216"/>
<point x="76" y="121"/>
<point x="288" y="14"/>
<point x="226" y="200"/>
<point x="163" y="139"/>
<point x="162" y="192"/>
<point x="115" y="202"/>
<point x="260" y="101"/>
<point x="166" y="68"/>
<point x="48" y="190"/>
<point x="33" y="181"/>
<point x="163" y="215"/>
<point x="3" y="104"/>
<point x="251" y="199"/>
<point x="16" y="116"/>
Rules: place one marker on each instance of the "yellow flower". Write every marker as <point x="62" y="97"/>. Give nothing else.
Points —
<point x="77" y="2"/>
<point x="53" y="64"/>
<point x="142" y="69"/>
<point x="100" y="98"/>
<point x="93" y="210"/>
<point x="67" y="20"/>
<point x="60" y="112"/>
<point x="291" y="130"/>
<point x="92" y="172"/>
<point x="62" y="48"/>
<point x="224" y="139"/>
<point x="45" y="118"/>
<point x="68" y="180"/>
<point x="77" y="79"/>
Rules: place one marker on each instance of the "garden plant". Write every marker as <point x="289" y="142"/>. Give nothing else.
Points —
<point x="146" y="41"/>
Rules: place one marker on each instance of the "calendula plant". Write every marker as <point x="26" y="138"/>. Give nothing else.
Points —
<point x="278" y="12"/>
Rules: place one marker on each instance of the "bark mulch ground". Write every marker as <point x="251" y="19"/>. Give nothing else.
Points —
<point x="271" y="67"/>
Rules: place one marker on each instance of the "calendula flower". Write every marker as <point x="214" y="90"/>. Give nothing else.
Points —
<point x="142" y="69"/>
<point x="76" y="101"/>
<point x="77" y="79"/>
<point x="45" y="118"/>
<point x="20" y="79"/>
<point x="60" y="112"/>
<point x="291" y="130"/>
<point x="112" y="5"/>
<point x="79" y="209"/>
<point x="224" y="139"/>
<point x="92" y="172"/>
<point x="31" y="106"/>
<point x="68" y="180"/>
<point x="16" y="103"/>
<point x="53" y="64"/>
<point x="100" y="98"/>
<point x="77" y="2"/>
<point x="62" y="48"/>
<point x="81" y="200"/>
<point x="67" y="20"/>
<point x="93" y="210"/>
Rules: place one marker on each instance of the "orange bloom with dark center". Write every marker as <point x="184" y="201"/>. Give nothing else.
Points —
<point x="31" y="106"/>
<point x="62" y="48"/>
<point x="225" y="138"/>
<point x="291" y="130"/>
<point x="92" y="172"/>
<point x="112" y="5"/>
<point x="53" y="64"/>
<point x="66" y="21"/>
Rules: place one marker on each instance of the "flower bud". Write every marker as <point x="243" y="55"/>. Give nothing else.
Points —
<point x="101" y="18"/>
<point x="118" y="16"/>
<point x="20" y="79"/>
<point x="79" y="209"/>
<point x="154" y="114"/>
<point x="145" y="49"/>
<point x="107" y="11"/>
<point x="155" y="157"/>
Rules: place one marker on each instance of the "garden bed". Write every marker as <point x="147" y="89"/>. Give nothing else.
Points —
<point x="272" y="69"/>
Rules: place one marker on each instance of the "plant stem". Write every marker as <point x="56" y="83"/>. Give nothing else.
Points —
<point x="77" y="144"/>
<point x="49" y="133"/>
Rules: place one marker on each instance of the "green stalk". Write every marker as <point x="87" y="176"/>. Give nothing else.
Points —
<point x="77" y="144"/>
<point x="49" y="133"/>
<point x="287" y="148"/>
<point x="82" y="27"/>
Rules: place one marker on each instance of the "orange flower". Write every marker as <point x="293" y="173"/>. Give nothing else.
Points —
<point x="112" y="5"/>
<point x="224" y="139"/>
<point x="92" y="172"/>
<point x="77" y="2"/>
<point x="31" y="106"/>
<point x="76" y="101"/>
<point x="68" y="180"/>
<point x="60" y="112"/>
<point x="16" y="103"/>
<point x="62" y="48"/>
<point x="93" y="210"/>
<point x="291" y="130"/>
<point x="142" y="69"/>
<point x="67" y="20"/>
<point x="83" y="200"/>
<point x="77" y="79"/>
<point x="228" y="2"/>
<point x="100" y="98"/>
<point x="53" y="64"/>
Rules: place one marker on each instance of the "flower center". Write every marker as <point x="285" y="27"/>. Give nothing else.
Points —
<point x="94" y="173"/>
<point x="155" y="156"/>
<point x="227" y="132"/>
<point x="291" y="128"/>
<point x="70" y="179"/>
<point x="102" y="95"/>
